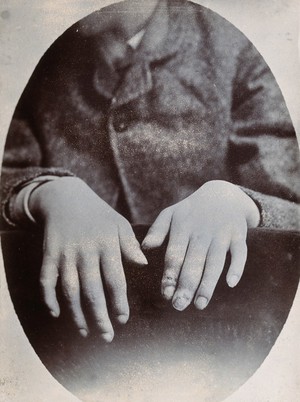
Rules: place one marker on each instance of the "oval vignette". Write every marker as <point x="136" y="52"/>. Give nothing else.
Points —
<point x="74" y="362"/>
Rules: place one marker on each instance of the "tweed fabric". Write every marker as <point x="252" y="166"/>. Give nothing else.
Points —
<point x="197" y="103"/>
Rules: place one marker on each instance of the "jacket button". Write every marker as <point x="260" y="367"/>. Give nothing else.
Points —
<point x="120" y="126"/>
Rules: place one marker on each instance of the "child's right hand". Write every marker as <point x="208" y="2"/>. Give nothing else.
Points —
<point x="84" y="240"/>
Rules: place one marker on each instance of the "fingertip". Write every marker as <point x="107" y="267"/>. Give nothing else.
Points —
<point x="151" y="241"/>
<point x="107" y="337"/>
<point x="146" y="244"/>
<point x="122" y="318"/>
<point x="133" y="252"/>
<point x="105" y="329"/>
<point x="54" y="309"/>
<point x="233" y="280"/>
<point x="138" y="258"/>
<point x="201" y="302"/>
<point x="83" y="332"/>
<point x="180" y="303"/>
<point x="141" y="259"/>
<point x="54" y="314"/>
<point x="158" y="231"/>
<point x="168" y="292"/>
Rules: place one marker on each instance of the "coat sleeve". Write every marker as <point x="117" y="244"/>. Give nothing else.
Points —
<point x="263" y="153"/>
<point x="22" y="162"/>
<point x="25" y="149"/>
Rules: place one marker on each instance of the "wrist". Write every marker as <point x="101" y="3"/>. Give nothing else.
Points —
<point x="19" y="211"/>
<point x="45" y="197"/>
<point x="233" y="194"/>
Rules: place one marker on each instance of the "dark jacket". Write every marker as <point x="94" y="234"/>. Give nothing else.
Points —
<point x="197" y="103"/>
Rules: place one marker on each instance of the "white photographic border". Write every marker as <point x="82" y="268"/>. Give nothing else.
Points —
<point x="26" y="31"/>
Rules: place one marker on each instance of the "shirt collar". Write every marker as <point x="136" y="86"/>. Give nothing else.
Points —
<point x="161" y="40"/>
<point x="135" y="40"/>
<point x="164" y="31"/>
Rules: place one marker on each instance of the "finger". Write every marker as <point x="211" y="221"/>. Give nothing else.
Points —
<point x="191" y="272"/>
<point x="129" y="245"/>
<point x="48" y="282"/>
<point x="174" y="257"/>
<point x="238" y="250"/>
<point x="71" y="292"/>
<point x="159" y="230"/>
<point x="92" y="288"/>
<point x="214" y="265"/>
<point x="115" y="282"/>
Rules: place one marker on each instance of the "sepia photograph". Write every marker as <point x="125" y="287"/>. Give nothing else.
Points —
<point x="150" y="184"/>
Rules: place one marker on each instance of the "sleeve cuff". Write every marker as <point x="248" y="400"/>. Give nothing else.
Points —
<point x="275" y="213"/>
<point x="19" y="212"/>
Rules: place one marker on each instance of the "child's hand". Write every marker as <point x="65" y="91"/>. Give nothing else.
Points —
<point x="201" y="229"/>
<point x="84" y="239"/>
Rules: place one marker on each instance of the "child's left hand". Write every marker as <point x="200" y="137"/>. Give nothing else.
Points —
<point x="202" y="229"/>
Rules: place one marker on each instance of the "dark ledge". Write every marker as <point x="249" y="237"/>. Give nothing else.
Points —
<point x="232" y="336"/>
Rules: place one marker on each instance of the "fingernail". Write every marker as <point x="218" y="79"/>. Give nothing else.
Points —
<point x="141" y="259"/>
<point x="108" y="337"/>
<point x="168" y="292"/>
<point x="53" y="313"/>
<point x="233" y="281"/>
<point x="201" y="302"/>
<point x="83" y="332"/>
<point x="144" y="243"/>
<point x="180" y="303"/>
<point x="122" y="318"/>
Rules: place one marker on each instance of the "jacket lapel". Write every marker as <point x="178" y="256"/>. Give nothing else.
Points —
<point x="161" y="41"/>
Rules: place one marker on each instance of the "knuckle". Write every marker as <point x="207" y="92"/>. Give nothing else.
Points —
<point x="199" y="245"/>
<point x="169" y="278"/>
<point x="70" y="290"/>
<point x="188" y="283"/>
<point x="93" y="299"/>
<point x="172" y="258"/>
<point x="124" y="224"/>
<point x="45" y="283"/>
<point x="69" y="296"/>
<point x="109" y="242"/>
<point x="112" y="260"/>
<point x="66" y="255"/>
<point x="239" y="236"/>
<point x="199" y="238"/>
<point x="90" y="273"/>
<point x="50" y="258"/>
<point x="220" y="242"/>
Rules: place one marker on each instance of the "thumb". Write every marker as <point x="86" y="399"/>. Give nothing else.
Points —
<point x="159" y="230"/>
<point x="130" y="247"/>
